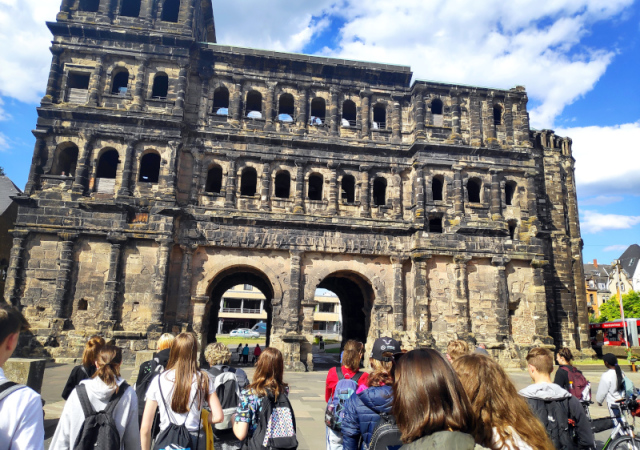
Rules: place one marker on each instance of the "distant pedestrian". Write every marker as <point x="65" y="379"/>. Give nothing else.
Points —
<point x="570" y="378"/>
<point x="456" y="349"/>
<point x="256" y="353"/>
<point x="21" y="418"/>
<point x="245" y="354"/>
<point x="239" y="352"/>
<point x="88" y="366"/>
<point x="481" y="349"/>
<point x="611" y="387"/>
<point x="107" y="392"/>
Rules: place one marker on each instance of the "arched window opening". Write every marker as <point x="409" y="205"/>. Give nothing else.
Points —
<point x="509" y="192"/>
<point x="221" y="101"/>
<point x="513" y="224"/>
<point x="108" y="164"/>
<point x="214" y="180"/>
<point x="283" y="184"/>
<point x="318" y="111"/>
<point x="436" y="107"/>
<point x="130" y="8"/>
<point x="497" y="115"/>
<point x="149" y="168"/>
<point x="171" y="10"/>
<point x="120" y="83"/>
<point x="248" y="181"/>
<point x="348" y="193"/>
<point x="315" y="187"/>
<point x="285" y="108"/>
<point x="437" y="187"/>
<point x="83" y="305"/>
<point x="89" y="5"/>
<point x="254" y="105"/>
<point x="349" y="113"/>
<point x="380" y="191"/>
<point x="473" y="190"/>
<point x="435" y="225"/>
<point x="65" y="161"/>
<point x="160" y="86"/>
<point x="379" y="117"/>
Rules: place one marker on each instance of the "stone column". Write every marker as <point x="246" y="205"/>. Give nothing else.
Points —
<point x="418" y="193"/>
<point x="419" y="113"/>
<point x="333" y="112"/>
<point x="455" y="115"/>
<point x="487" y="120"/>
<point x="138" y="89"/>
<point x="105" y="8"/>
<point x="127" y="171"/>
<point x="65" y="264"/>
<point x="365" y="208"/>
<point x="111" y="286"/>
<point x="461" y="299"/>
<point x="502" y="298"/>
<point x="298" y="201"/>
<point x="475" y="127"/>
<point x="365" y="113"/>
<point x="264" y="187"/>
<point x="398" y="294"/>
<point x="12" y="282"/>
<point x="36" y="161"/>
<point x="539" y="303"/>
<point x="186" y="271"/>
<point x="80" y="184"/>
<point x="496" y="195"/>
<point x="190" y="14"/>
<point x="94" y="82"/>
<point x="508" y="119"/>
<point x="158" y="304"/>
<point x="182" y="87"/>
<point x="292" y="308"/>
<point x="269" y="107"/>
<point x="145" y="10"/>
<point x="396" y="125"/>
<point x="200" y="316"/>
<point x="203" y="108"/>
<point x="458" y="191"/>
<point x="532" y="194"/>
<point x="333" y="188"/>
<point x="230" y="188"/>
<point x="396" y="199"/>
<point x="196" y="183"/>
<point x="236" y="101"/>
<point x="54" y="75"/>
<point x="303" y="105"/>
<point x="172" y="170"/>
<point x="421" y="294"/>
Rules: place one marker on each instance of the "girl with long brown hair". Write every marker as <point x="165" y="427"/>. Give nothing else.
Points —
<point x="88" y="366"/>
<point x="180" y="392"/>
<point x="504" y="419"/>
<point x="105" y="383"/>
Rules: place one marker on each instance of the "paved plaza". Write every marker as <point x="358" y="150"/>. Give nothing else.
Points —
<point x="306" y="394"/>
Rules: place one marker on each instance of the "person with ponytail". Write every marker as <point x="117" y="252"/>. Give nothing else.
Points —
<point x="106" y="382"/>
<point x="180" y="392"/>
<point x="362" y="411"/>
<point x="88" y="366"/>
<point x="611" y="387"/>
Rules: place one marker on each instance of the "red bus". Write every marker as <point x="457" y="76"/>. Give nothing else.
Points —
<point x="613" y="332"/>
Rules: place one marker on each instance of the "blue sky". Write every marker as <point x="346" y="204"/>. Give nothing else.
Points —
<point x="578" y="59"/>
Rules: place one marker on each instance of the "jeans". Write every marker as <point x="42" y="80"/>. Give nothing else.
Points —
<point x="334" y="440"/>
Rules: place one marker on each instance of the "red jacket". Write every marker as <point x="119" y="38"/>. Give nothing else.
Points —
<point x="332" y="380"/>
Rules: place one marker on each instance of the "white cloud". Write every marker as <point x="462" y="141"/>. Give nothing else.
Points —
<point x="594" y="222"/>
<point x="4" y="142"/>
<point x="4" y="115"/>
<point x="615" y="248"/>
<point x="607" y="161"/>
<point x="601" y="200"/>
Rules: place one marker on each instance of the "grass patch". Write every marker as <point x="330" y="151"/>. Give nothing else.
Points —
<point x="235" y="340"/>
<point x="332" y="350"/>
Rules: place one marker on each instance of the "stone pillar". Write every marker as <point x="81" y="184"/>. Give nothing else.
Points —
<point x="127" y="171"/>
<point x="269" y="107"/>
<point x="111" y="286"/>
<point x="230" y="188"/>
<point x="182" y="87"/>
<point x="264" y="187"/>
<point x="12" y="283"/>
<point x="94" y="82"/>
<point x="365" y="113"/>
<point x="236" y="101"/>
<point x="303" y="105"/>
<point x="333" y="112"/>
<point x="396" y="199"/>
<point x="365" y="207"/>
<point x="539" y="303"/>
<point x="158" y="305"/>
<point x="190" y="14"/>
<point x="422" y="309"/>
<point x="496" y="195"/>
<point x="487" y="120"/>
<point x="106" y="8"/>
<point x="203" y="108"/>
<point x="502" y="298"/>
<point x="292" y="307"/>
<point x="461" y="299"/>
<point x="184" y="302"/>
<point x="458" y="191"/>
<point x="333" y="189"/>
<point x="80" y="184"/>
<point x="36" y="161"/>
<point x="200" y="316"/>
<point x="138" y="89"/>
<point x="419" y="113"/>
<point x="54" y="75"/>
<point x="455" y="116"/>
<point x="298" y="201"/>
<point x="398" y="294"/>
<point x="418" y="194"/>
<point x="196" y="183"/>
<point x="26" y="371"/>
<point x="532" y="194"/>
<point x="172" y="170"/>
<point x="65" y="264"/>
<point x="475" y="128"/>
<point x="508" y="119"/>
<point x="145" y="10"/>
<point x="396" y="125"/>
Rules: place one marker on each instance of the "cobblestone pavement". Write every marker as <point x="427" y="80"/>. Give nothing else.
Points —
<point x="306" y="395"/>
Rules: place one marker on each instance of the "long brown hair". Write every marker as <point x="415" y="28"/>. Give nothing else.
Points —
<point x="496" y="404"/>
<point x="428" y="396"/>
<point x="268" y="374"/>
<point x="108" y="359"/>
<point x="183" y="358"/>
<point x="91" y="349"/>
<point x="352" y="354"/>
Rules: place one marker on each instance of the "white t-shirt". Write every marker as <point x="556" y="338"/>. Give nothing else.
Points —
<point x="21" y="420"/>
<point x="168" y="378"/>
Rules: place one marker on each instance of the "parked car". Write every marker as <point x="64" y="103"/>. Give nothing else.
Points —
<point x="261" y="328"/>
<point x="244" y="332"/>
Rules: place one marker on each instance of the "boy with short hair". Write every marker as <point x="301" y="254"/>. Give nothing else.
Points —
<point x="21" y="417"/>
<point x="557" y="409"/>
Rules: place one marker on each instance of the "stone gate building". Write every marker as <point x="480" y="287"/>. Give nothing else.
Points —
<point x="168" y="168"/>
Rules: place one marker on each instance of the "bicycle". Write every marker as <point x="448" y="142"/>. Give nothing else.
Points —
<point x="623" y="437"/>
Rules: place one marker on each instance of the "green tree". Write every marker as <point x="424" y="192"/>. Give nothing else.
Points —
<point x="611" y="309"/>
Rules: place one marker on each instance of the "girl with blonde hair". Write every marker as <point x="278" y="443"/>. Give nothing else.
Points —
<point x="88" y="366"/>
<point x="504" y="419"/>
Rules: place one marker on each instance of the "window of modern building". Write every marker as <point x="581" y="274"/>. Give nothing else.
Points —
<point x="285" y="108"/>
<point x="107" y="164"/>
<point x="214" y="180"/>
<point x="160" y="86"/>
<point x="379" y="117"/>
<point x="130" y="8"/>
<point x="348" y="193"/>
<point x="248" y="287"/>
<point x="318" y="111"/>
<point x="120" y="83"/>
<point x="349" y="113"/>
<point x="171" y="10"/>
<point x="509" y="192"/>
<point x="435" y="225"/>
<point x="89" y="5"/>
<point x="248" y="181"/>
<point x="66" y="159"/>
<point x="283" y="184"/>
<point x="254" y="105"/>
<point x="497" y="115"/>
<point x="149" y="168"/>
<point x="436" y="107"/>
<point x="474" y="185"/>
<point x="221" y="101"/>
<point x="380" y="191"/>
<point x="437" y="187"/>
<point x="315" y="186"/>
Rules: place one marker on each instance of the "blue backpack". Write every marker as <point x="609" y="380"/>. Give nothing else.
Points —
<point x="345" y="388"/>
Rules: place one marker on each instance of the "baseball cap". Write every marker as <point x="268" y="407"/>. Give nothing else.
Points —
<point x="384" y="345"/>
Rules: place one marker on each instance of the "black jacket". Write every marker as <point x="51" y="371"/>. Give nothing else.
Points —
<point x="163" y="359"/>
<point x="78" y="374"/>
<point x="562" y="378"/>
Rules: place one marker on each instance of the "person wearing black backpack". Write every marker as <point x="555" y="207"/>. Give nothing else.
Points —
<point x="102" y="412"/>
<point x="87" y="368"/>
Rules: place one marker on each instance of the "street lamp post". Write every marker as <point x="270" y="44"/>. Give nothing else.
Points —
<point x="616" y="263"/>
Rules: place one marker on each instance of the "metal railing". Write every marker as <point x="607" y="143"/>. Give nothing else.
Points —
<point x="378" y="125"/>
<point x="347" y="123"/>
<point x="242" y="310"/>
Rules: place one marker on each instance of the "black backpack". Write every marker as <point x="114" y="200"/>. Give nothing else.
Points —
<point x="98" y="431"/>
<point x="386" y="435"/>
<point x="276" y="428"/>
<point x="150" y="369"/>
<point x="175" y="436"/>
<point x="555" y="416"/>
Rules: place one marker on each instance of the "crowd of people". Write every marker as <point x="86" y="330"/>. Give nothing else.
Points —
<point x="417" y="399"/>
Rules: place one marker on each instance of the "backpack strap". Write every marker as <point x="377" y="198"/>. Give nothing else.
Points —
<point x="9" y="388"/>
<point x="357" y="376"/>
<point x="115" y="398"/>
<point x="86" y="372"/>
<point x="339" y="373"/>
<point x="87" y="407"/>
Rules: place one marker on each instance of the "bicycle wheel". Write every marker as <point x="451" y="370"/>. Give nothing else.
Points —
<point x="624" y="443"/>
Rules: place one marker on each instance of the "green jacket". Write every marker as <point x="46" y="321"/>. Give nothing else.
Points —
<point x="451" y="440"/>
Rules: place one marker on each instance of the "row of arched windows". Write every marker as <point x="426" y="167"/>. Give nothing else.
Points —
<point x="131" y="8"/>
<point x="120" y="84"/>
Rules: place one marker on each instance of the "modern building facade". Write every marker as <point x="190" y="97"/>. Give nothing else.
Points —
<point x="169" y="168"/>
